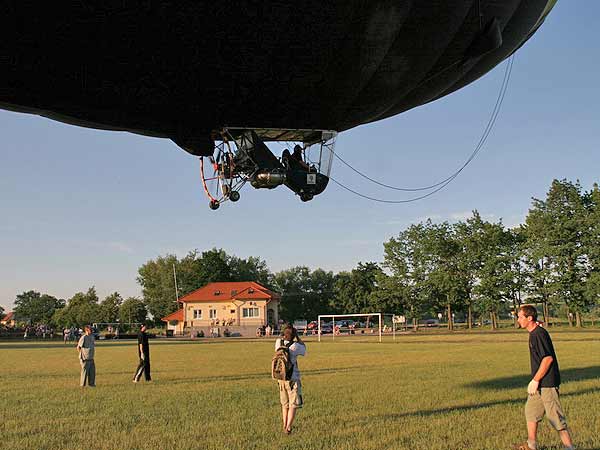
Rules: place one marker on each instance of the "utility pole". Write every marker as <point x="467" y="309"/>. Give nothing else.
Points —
<point x="176" y="290"/>
<point x="177" y="299"/>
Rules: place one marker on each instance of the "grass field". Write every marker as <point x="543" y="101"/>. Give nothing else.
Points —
<point x="426" y="391"/>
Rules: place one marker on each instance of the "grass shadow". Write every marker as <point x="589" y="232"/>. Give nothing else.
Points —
<point x="566" y="375"/>
<point x="261" y="375"/>
<point x="465" y="408"/>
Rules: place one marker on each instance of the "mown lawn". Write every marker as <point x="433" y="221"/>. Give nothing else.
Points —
<point x="425" y="391"/>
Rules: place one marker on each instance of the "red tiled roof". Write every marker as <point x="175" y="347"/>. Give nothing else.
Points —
<point x="239" y="290"/>
<point x="8" y="316"/>
<point x="177" y="315"/>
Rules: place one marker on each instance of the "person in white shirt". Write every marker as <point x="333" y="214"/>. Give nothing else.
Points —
<point x="290" y="391"/>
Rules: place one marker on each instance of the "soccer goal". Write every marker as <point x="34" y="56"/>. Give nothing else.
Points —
<point x="356" y="324"/>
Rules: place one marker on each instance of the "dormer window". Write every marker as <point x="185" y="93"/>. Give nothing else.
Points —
<point x="233" y="292"/>
<point x="250" y="291"/>
<point x="217" y="292"/>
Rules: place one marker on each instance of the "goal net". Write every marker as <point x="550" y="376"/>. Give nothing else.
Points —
<point x="370" y="324"/>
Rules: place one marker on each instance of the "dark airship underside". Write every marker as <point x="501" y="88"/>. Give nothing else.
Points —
<point x="187" y="70"/>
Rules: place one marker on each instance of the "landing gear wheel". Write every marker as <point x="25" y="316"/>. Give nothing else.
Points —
<point x="305" y="197"/>
<point x="220" y="177"/>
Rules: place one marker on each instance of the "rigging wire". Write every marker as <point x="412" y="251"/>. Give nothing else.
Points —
<point x="440" y="185"/>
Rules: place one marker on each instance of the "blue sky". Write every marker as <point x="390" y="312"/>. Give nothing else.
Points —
<point x="82" y="207"/>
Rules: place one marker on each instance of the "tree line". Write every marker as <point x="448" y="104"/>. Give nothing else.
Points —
<point x="469" y="269"/>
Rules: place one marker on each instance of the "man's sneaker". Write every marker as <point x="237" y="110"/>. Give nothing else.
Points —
<point x="135" y="381"/>
<point x="523" y="446"/>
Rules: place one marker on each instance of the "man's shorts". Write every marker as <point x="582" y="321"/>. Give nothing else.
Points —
<point x="290" y="394"/>
<point x="549" y="403"/>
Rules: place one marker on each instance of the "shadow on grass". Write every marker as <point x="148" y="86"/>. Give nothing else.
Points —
<point x="259" y="376"/>
<point x="465" y="408"/>
<point x="366" y="421"/>
<point x="574" y="374"/>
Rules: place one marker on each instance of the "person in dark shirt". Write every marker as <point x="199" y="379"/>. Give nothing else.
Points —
<point x="543" y="395"/>
<point x="144" y="355"/>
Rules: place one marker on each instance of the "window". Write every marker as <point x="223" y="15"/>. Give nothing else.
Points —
<point x="197" y="314"/>
<point x="212" y="313"/>
<point x="232" y="311"/>
<point x="233" y="292"/>
<point x="250" y="312"/>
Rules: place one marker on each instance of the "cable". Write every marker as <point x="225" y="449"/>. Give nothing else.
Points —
<point x="440" y="185"/>
<point x="484" y="136"/>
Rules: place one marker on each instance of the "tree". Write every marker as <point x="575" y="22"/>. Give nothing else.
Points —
<point x="556" y="229"/>
<point x="81" y="309"/>
<point x="158" y="284"/>
<point x="495" y="276"/>
<point x="214" y="266"/>
<point x="1" y="313"/>
<point x="517" y="282"/>
<point x="354" y="291"/>
<point x="109" y="308"/>
<point x="389" y="294"/>
<point x="304" y="295"/>
<point x="406" y="259"/>
<point x="591" y="241"/>
<point x="132" y="310"/>
<point x="251" y="269"/>
<point x="446" y="281"/>
<point x="36" y="308"/>
<point x="470" y="259"/>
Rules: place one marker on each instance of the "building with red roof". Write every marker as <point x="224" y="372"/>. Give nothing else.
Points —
<point x="240" y="306"/>
<point x="8" y="320"/>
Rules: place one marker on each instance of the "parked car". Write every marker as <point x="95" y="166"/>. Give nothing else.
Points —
<point x="326" y="329"/>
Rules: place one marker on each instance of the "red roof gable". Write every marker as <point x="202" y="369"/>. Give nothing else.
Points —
<point x="8" y="316"/>
<point x="177" y="315"/>
<point x="239" y="290"/>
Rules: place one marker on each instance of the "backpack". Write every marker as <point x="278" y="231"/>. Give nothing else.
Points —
<point x="281" y="365"/>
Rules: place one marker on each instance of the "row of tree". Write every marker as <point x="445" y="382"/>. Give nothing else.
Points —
<point x="480" y="267"/>
<point x="472" y="268"/>
<point x="83" y="308"/>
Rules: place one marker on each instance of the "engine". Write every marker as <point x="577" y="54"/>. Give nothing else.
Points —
<point x="268" y="179"/>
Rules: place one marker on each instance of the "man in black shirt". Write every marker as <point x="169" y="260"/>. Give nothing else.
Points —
<point x="144" y="355"/>
<point x="543" y="388"/>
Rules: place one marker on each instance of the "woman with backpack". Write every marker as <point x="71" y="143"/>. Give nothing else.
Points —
<point x="285" y="371"/>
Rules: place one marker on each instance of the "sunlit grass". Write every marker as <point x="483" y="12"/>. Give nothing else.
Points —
<point x="433" y="391"/>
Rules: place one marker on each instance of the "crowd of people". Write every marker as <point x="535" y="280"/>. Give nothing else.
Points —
<point x="72" y="334"/>
<point x="38" y="332"/>
<point x="264" y="330"/>
<point x="222" y="322"/>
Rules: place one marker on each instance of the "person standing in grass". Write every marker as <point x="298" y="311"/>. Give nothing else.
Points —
<point x="290" y="391"/>
<point x="543" y="395"/>
<point x="86" y="348"/>
<point x="144" y="355"/>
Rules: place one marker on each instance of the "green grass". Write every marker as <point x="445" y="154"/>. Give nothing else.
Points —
<point x="435" y="391"/>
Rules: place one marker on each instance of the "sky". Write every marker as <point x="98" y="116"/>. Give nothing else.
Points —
<point x="82" y="207"/>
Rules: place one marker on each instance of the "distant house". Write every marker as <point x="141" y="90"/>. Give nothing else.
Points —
<point x="239" y="306"/>
<point x="8" y="320"/>
<point x="175" y="321"/>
